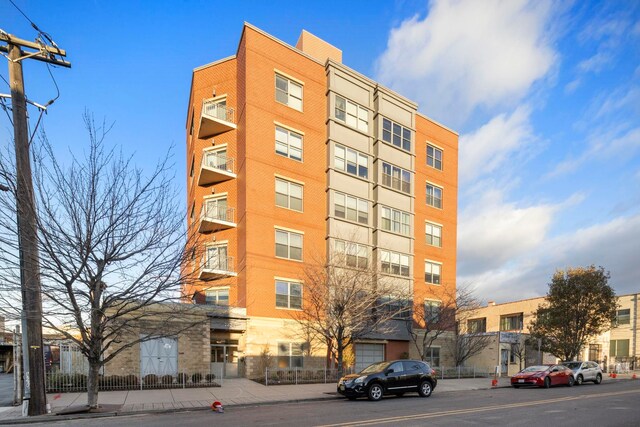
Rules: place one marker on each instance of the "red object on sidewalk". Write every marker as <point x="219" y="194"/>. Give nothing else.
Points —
<point x="633" y="377"/>
<point x="614" y="375"/>
<point x="217" y="407"/>
<point x="494" y="383"/>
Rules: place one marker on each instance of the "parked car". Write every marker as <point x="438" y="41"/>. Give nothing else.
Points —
<point x="395" y="377"/>
<point x="543" y="376"/>
<point x="585" y="371"/>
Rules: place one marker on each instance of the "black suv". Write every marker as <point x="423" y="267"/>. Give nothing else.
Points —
<point x="394" y="377"/>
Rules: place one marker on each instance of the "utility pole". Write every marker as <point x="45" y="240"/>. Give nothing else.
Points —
<point x="33" y="357"/>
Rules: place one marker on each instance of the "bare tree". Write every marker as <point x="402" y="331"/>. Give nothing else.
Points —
<point x="112" y="241"/>
<point x="519" y="348"/>
<point x="431" y="321"/>
<point x="346" y="299"/>
<point x="467" y="339"/>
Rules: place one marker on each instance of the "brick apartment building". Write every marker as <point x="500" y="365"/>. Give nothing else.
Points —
<point x="291" y="155"/>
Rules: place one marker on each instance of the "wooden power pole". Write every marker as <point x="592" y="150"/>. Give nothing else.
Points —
<point x="34" y="381"/>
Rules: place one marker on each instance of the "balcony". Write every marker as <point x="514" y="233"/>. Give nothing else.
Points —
<point x="216" y="167"/>
<point x="217" y="267"/>
<point x="216" y="218"/>
<point x="216" y="118"/>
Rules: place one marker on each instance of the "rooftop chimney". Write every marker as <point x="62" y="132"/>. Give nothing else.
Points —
<point x="318" y="48"/>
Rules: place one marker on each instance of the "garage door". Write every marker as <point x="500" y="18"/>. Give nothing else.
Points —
<point x="159" y="356"/>
<point x="366" y="354"/>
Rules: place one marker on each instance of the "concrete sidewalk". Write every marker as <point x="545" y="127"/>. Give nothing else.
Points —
<point x="234" y="392"/>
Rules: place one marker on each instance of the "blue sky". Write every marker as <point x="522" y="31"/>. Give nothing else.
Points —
<point x="545" y="96"/>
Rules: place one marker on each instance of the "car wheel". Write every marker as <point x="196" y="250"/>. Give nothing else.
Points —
<point x="547" y="382"/>
<point x="515" y="386"/>
<point x="598" y="379"/>
<point x="425" y="389"/>
<point x="399" y="394"/>
<point x="375" y="392"/>
<point x="579" y="380"/>
<point x="571" y="381"/>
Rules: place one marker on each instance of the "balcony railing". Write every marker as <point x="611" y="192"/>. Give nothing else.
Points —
<point x="216" y="167"/>
<point x="216" y="118"/>
<point x="217" y="267"/>
<point x="216" y="218"/>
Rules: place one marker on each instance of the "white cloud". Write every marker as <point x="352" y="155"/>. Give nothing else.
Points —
<point x="613" y="245"/>
<point x="491" y="231"/>
<point x="489" y="147"/>
<point x="469" y="54"/>
<point x="601" y="147"/>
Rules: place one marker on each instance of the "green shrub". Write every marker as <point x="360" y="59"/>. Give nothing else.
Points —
<point x="131" y="380"/>
<point x="166" y="379"/>
<point x="210" y="377"/>
<point x="182" y="378"/>
<point x="196" y="378"/>
<point x="150" y="380"/>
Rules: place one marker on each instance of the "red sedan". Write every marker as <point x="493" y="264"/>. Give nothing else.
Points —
<point x="543" y="376"/>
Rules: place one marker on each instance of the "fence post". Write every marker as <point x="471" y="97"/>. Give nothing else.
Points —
<point x="295" y="374"/>
<point x="141" y="380"/>
<point x="266" y="376"/>
<point x="458" y="372"/>
<point x="325" y="374"/>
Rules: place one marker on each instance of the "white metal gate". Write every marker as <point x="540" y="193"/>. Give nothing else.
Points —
<point x="366" y="354"/>
<point x="159" y="356"/>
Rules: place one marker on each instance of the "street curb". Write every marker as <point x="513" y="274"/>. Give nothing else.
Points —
<point x="52" y="418"/>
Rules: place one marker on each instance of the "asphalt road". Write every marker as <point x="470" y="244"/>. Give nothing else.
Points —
<point x="612" y="404"/>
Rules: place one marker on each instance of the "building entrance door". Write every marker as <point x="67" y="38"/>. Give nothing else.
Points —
<point x="224" y="360"/>
<point x="504" y="361"/>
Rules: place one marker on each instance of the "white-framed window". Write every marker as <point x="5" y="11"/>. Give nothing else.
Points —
<point x="432" y="311"/>
<point x="434" y="196"/>
<point x="289" y="194"/>
<point x="216" y="208"/>
<point x="433" y="233"/>
<point x="623" y="317"/>
<point x="352" y="114"/>
<point x="394" y="263"/>
<point x="288" y="294"/>
<point x="396" y="134"/>
<point x="217" y="258"/>
<point x="351" y="208"/>
<point x="354" y="254"/>
<point x="288" y="92"/>
<point x="434" y="157"/>
<point x="288" y="245"/>
<point x="290" y="354"/>
<point x="395" y="220"/>
<point x="351" y="161"/>
<point x="217" y="296"/>
<point x="288" y="143"/>
<point x="396" y="178"/>
<point x="432" y="272"/>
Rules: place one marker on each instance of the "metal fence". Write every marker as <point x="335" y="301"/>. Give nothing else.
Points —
<point x="301" y="376"/>
<point x="77" y="382"/>
<point x="448" y="372"/>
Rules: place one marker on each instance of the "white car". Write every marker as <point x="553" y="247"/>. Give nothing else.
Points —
<point x="585" y="371"/>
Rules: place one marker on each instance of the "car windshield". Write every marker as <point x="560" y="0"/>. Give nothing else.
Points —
<point x="573" y="365"/>
<point x="535" y="368"/>
<point x="376" y="367"/>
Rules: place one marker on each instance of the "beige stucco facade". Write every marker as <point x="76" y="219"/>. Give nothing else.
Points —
<point x="509" y="323"/>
